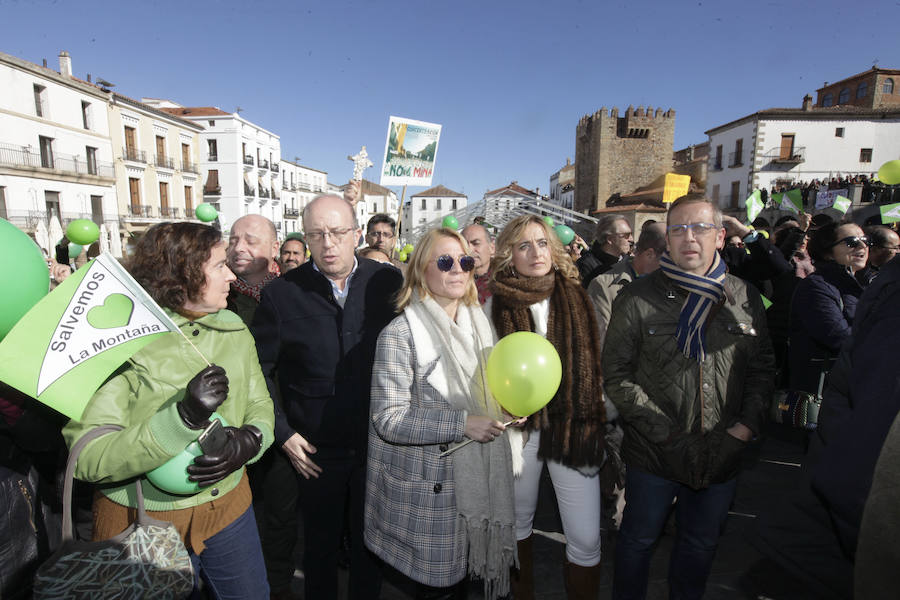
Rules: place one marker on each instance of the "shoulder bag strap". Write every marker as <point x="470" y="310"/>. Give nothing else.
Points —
<point x="67" y="530"/>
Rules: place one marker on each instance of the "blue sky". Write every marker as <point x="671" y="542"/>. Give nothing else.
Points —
<point x="507" y="80"/>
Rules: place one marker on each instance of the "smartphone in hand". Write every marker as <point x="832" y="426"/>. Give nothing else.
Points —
<point x="213" y="438"/>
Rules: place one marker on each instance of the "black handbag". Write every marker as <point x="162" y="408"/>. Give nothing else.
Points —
<point x="147" y="560"/>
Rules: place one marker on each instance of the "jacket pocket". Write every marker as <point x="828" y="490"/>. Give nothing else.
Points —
<point x="726" y="452"/>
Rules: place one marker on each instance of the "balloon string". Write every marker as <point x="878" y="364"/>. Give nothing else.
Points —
<point x="469" y="441"/>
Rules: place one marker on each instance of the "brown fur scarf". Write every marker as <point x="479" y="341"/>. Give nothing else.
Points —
<point x="571" y="424"/>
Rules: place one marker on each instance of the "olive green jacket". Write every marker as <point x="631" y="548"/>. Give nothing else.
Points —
<point x="675" y="409"/>
<point x="141" y="397"/>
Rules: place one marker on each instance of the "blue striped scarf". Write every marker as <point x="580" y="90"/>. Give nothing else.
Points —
<point x="703" y="293"/>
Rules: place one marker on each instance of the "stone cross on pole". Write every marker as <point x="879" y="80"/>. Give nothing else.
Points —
<point x="361" y="162"/>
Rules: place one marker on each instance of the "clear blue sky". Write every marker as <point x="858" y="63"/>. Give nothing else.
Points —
<point x="507" y="80"/>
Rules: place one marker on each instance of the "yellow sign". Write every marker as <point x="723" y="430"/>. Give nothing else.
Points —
<point x="676" y="186"/>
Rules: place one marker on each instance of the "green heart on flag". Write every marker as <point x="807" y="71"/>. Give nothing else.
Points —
<point x="841" y="204"/>
<point x="114" y="312"/>
<point x="890" y="213"/>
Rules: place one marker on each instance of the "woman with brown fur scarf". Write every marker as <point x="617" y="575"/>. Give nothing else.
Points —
<point x="536" y="288"/>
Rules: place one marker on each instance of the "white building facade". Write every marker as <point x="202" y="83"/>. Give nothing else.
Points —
<point x="240" y="164"/>
<point x="432" y="205"/>
<point x="299" y="185"/>
<point x="785" y="147"/>
<point x="56" y="156"/>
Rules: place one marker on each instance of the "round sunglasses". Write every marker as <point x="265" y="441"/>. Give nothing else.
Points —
<point x="445" y="263"/>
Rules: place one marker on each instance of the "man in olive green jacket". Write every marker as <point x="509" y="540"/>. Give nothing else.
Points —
<point x="688" y="363"/>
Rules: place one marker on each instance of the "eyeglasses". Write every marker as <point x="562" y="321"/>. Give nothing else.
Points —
<point x="625" y="235"/>
<point x="337" y="235"/>
<point x="381" y="234"/>
<point x="852" y="241"/>
<point x="698" y="229"/>
<point x="445" y="263"/>
<point x="891" y="248"/>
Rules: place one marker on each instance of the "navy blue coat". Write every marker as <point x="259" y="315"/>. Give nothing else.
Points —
<point x="322" y="353"/>
<point x="860" y="404"/>
<point x="822" y="313"/>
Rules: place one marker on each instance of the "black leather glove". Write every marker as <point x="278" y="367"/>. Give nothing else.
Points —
<point x="242" y="445"/>
<point x="205" y="392"/>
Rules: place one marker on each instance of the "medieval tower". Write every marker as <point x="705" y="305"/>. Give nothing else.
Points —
<point x="617" y="155"/>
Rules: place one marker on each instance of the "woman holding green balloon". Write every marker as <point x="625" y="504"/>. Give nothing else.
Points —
<point x="436" y="512"/>
<point x="536" y="288"/>
<point x="163" y="398"/>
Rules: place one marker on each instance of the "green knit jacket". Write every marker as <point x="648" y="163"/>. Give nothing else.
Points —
<point x="141" y="397"/>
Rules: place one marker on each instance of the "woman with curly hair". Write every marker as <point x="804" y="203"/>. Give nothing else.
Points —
<point x="163" y="398"/>
<point x="536" y="288"/>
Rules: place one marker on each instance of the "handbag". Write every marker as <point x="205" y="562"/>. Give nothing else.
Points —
<point x="147" y="560"/>
<point x="801" y="409"/>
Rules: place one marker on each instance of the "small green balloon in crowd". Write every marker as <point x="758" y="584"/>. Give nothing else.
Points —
<point x="74" y="250"/>
<point x="450" y="222"/>
<point x="408" y="248"/>
<point x="523" y="372"/>
<point x="565" y="234"/>
<point x="25" y="269"/>
<point x="548" y="220"/>
<point x="83" y="231"/>
<point x="402" y="256"/>
<point x="889" y="173"/>
<point x="206" y="212"/>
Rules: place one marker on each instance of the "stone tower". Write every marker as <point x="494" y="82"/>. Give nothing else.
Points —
<point x="617" y="155"/>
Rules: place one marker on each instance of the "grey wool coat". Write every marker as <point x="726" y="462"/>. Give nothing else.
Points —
<point x="412" y="522"/>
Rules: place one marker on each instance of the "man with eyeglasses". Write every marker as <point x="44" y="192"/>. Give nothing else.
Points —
<point x="315" y="331"/>
<point x="380" y="235"/>
<point x="884" y="243"/>
<point x="614" y="241"/>
<point x="688" y="363"/>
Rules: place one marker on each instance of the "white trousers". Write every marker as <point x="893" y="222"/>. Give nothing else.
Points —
<point x="578" y="498"/>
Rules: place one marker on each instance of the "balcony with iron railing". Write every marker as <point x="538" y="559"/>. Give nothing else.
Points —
<point x="17" y="156"/>
<point x="212" y="158"/>
<point x="735" y="159"/>
<point x="163" y="162"/>
<point x="789" y="156"/>
<point x="263" y="164"/>
<point x="140" y="211"/>
<point x="284" y="186"/>
<point x="169" y="212"/>
<point x="275" y="167"/>
<point x="212" y="190"/>
<point x="248" y="160"/>
<point x="134" y="155"/>
<point x="291" y="212"/>
<point x="189" y="167"/>
<point x="304" y="187"/>
<point x="263" y="192"/>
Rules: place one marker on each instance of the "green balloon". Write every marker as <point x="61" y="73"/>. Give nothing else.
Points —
<point x="408" y="248"/>
<point x="450" y="222"/>
<point x="74" y="250"/>
<point x="548" y="220"/>
<point x="889" y="173"/>
<point x="83" y="231"/>
<point x="402" y="256"/>
<point x="25" y="273"/>
<point x="172" y="476"/>
<point x="523" y="373"/>
<point x="206" y="212"/>
<point x="565" y="234"/>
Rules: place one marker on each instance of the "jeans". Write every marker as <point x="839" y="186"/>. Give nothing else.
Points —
<point x="322" y="502"/>
<point x="232" y="563"/>
<point x="699" y="516"/>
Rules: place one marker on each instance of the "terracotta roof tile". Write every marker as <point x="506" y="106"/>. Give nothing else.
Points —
<point x="439" y="191"/>
<point x="196" y="111"/>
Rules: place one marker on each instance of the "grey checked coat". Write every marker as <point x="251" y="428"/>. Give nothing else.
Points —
<point x="411" y="518"/>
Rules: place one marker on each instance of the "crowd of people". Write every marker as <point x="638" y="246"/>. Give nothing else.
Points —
<point x="352" y="384"/>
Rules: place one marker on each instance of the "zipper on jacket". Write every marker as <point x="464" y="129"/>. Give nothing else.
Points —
<point x="27" y="495"/>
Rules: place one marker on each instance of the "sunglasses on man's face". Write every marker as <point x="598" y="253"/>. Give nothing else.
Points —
<point x="852" y="241"/>
<point x="445" y="263"/>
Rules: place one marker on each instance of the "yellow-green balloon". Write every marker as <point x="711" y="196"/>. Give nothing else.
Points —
<point x="450" y="222"/>
<point x="83" y="232"/>
<point x="172" y="475"/>
<point x="565" y="234"/>
<point x="889" y="173"/>
<point x="408" y="248"/>
<point x="523" y="373"/>
<point x="24" y="271"/>
<point x="402" y="256"/>
<point x="549" y="220"/>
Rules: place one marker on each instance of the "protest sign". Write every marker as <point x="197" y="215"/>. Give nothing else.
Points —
<point x="63" y="349"/>
<point x="675" y="187"/>
<point x="409" y="152"/>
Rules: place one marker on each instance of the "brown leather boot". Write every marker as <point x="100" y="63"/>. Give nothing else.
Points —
<point x="582" y="583"/>
<point x="521" y="581"/>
